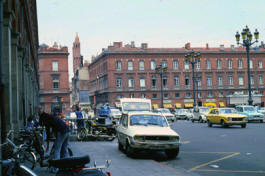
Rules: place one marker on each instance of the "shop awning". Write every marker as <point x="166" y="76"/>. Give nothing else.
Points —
<point x="210" y="104"/>
<point x="167" y="105"/>
<point x="188" y="105"/>
<point x="155" y="106"/>
<point x="178" y="105"/>
<point x="221" y="104"/>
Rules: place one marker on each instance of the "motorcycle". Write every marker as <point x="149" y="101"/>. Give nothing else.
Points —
<point x="76" y="166"/>
<point x="96" y="130"/>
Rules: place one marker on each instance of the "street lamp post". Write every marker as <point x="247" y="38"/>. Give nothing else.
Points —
<point x="247" y="42"/>
<point x="193" y="58"/>
<point x="160" y="69"/>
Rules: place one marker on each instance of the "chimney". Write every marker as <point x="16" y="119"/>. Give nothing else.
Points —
<point x="222" y="47"/>
<point x="233" y="47"/>
<point x="207" y="46"/>
<point x="117" y="44"/>
<point x="132" y="44"/>
<point x="144" y="45"/>
<point x="187" y="46"/>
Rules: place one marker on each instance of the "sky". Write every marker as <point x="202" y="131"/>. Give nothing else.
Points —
<point x="160" y="23"/>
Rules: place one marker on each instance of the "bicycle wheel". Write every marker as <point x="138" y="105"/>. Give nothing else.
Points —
<point x="27" y="158"/>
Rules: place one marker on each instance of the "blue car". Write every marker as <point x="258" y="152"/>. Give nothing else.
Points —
<point x="104" y="111"/>
<point x="251" y="113"/>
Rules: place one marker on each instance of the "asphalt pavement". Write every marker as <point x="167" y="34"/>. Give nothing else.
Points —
<point x="205" y="151"/>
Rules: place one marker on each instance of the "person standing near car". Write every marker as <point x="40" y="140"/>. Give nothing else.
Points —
<point x="61" y="131"/>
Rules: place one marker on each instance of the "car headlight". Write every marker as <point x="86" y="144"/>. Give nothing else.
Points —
<point x="139" y="138"/>
<point x="174" y="138"/>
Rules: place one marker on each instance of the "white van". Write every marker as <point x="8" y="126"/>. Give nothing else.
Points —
<point x="135" y="104"/>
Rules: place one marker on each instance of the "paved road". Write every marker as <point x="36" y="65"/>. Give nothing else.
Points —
<point x="221" y="151"/>
<point x="205" y="151"/>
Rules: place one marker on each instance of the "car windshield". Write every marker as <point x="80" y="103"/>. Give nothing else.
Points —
<point x="249" y="108"/>
<point x="227" y="111"/>
<point x="147" y="120"/>
<point x="165" y="111"/>
<point x="182" y="111"/>
<point x="136" y="106"/>
<point x="205" y="110"/>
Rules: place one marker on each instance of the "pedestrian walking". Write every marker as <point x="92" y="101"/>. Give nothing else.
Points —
<point x="79" y="118"/>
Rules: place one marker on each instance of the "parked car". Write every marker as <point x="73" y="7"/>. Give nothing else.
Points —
<point x="262" y="110"/>
<point x="115" y="113"/>
<point x="139" y="131"/>
<point x="251" y="113"/>
<point x="184" y="114"/>
<point x="226" y="117"/>
<point x="199" y="114"/>
<point x="166" y="113"/>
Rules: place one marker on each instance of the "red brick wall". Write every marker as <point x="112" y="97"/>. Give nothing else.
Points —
<point x="47" y="93"/>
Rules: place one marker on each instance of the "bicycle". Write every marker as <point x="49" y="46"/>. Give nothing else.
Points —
<point x="36" y="145"/>
<point x="12" y="164"/>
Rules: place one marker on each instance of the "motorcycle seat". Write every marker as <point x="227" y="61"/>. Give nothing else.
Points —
<point x="71" y="162"/>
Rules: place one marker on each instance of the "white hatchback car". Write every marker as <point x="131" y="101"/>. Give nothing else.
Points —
<point x="147" y="131"/>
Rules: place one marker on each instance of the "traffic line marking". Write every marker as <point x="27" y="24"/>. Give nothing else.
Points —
<point x="214" y="161"/>
<point x="231" y="171"/>
<point x="209" y="152"/>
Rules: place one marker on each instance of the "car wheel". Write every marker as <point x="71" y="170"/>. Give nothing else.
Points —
<point x="223" y="124"/>
<point x="209" y="123"/>
<point x="172" y="153"/>
<point x="243" y="125"/>
<point x="129" y="150"/>
<point x="200" y="120"/>
<point x="192" y="121"/>
<point x="261" y="121"/>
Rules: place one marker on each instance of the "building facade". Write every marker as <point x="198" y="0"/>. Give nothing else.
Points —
<point x="19" y="83"/>
<point x="54" y="79"/>
<point x="129" y="71"/>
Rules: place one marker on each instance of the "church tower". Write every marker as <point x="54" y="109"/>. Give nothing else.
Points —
<point x="77" y="58"/>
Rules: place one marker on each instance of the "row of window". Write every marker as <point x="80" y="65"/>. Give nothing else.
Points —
<point x="177" y="95"/>
<point x="187" y="81"/>
<point x="186" y="66"/>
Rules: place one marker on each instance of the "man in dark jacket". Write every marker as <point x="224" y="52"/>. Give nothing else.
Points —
<point x="61" y="131"/>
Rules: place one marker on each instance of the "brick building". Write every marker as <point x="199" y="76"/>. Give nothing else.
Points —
<point x="129" y="71"/>
<point x="54" y="78"/>
<point x="19" y="82"/>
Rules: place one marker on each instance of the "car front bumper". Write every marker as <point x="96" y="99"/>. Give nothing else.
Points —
<point x="255" y="118"/>
<point x="155" y="145"/>
<point x="235" y="122"/>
